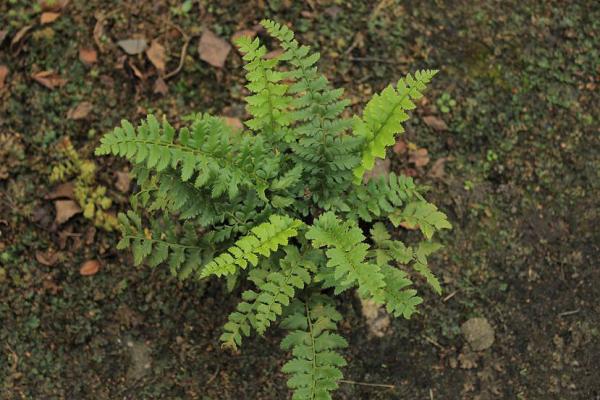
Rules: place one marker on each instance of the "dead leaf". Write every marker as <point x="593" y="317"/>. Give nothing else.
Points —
<point x="123" y="183"/>
<point x="80" y="111"/>
<point x="213" y="49"/>
<point x="88" y="56"/>
<point x="90" y="267"/>
<point x="409" y="226"/>
<point x="133" y="46"/>
<point x="65" y="209"/>
<point x="160" y="86"/>
<point x="273" y="54"/>
<point x="134" y="68"/>
<point x="437" y="169"/>
<point x="380" y="168"/>
<point x="233" y="122"/>
<point x="157" y="55"/>
<point x="19" y="36"/>
<point x="53" y="5"/>
<point x="62" y="191"/>
<point x="244" y="32"/>
<point x="47" y="258"/>
<point x="436" y="123"/>
<point x="49" y="79"/>
<point x="48" y="17"/>
<point x="419" y="157"/>
<point x="3" y="75"/>
<point x="400" y="147"/>
<point x="98" y="32"/>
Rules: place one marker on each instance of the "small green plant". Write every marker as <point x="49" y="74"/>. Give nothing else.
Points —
<point x="284" y="206"/>
<point x="91" y="197"/>
<point x="446" y="103"/>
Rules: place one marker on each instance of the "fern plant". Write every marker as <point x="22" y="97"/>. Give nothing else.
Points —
<point x="284" y="206"/>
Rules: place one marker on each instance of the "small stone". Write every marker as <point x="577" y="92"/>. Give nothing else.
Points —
<point x="478" y="333"/>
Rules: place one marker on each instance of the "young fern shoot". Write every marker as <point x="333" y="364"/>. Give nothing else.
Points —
<point x="283" y="205"/>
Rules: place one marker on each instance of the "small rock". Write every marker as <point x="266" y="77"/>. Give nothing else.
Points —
<point x="378" y="320"/>
<point x="478" y="333"/>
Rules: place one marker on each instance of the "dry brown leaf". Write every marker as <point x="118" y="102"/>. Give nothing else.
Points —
<point x="99" y="31"/>
<point x="3" y="75"/>
<point x="272" y="54"/>
<point x="244" y="32"/>
<point x="419" y="157"/>
<point x="400" y="147"/>
<point x="49" y="79"/>
<point x="409" y="226"/>
<point x="380" y="168"/>
<point x="47" y="258"/>
<point x="437" y="169"/>
<point x="88" y="56"/>
<point x="123" y="181"/>
<point x="136" y="71"/>
<point x="62" y="191"/>
<point x="53" y="5"/>
<point x="157" y="55"/>
<point x="233" y="122"/>
<point x="133" y="46"/>
<point x="65" y="209"/>
<point x="90" y="267"/>
<point x="80" y="111"/>
<point x="160" y="86"/>
<point x="20" y="35"/>
<point x="436" y="123"/>
<point x="48" y="17"/>
<point x="213" y="49"/>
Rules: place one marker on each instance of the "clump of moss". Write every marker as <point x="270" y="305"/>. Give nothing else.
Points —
<point x="91" y="197"/>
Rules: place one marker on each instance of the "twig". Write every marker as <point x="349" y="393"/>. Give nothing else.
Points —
<point x="212" y="378"/>
<point x="567" y="313"/>
<point x="381" y="385"/>
<point x="430" y="394"/>
<point x="183" y="54"/>
<point x="433" y="342"/>
<point x="451" y="295"/>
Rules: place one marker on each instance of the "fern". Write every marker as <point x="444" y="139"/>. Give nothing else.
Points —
<point x="264" y="239"/>
<point x="383" y="117"/>
<point x="346" y="254"/>
<point x="315" y="368"/>
<point x="281" y="209"/>
<point x="275" y="290"/>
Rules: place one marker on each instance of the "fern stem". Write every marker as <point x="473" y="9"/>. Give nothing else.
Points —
<point x="314" y="351"/>
<point x="170" y="244"/>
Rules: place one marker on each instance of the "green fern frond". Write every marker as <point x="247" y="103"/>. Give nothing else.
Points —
<point x="274" y="292"/>
<point x="269" y="105"/>
<point x="399" y="299"/>
<point x="325" y="153"/>
<point x="346" y="254"/>
<point x="207" y="152"/>
<point x="383" y="117"/>
<point x="423" y="215"/>
<point x="315" y="366"/>
<point x="381" y="197"/>
<point x="263" y="239"/>
<point x="181" y="253"/>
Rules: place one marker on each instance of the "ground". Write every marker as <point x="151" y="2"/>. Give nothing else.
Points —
<point x="515" y="167"/>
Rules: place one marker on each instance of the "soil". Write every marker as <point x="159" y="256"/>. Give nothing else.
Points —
<point x="517" y="171"/>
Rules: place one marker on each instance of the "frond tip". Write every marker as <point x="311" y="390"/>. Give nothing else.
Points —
<point x="383" y="117"/>
<point x="315" y="367"/>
